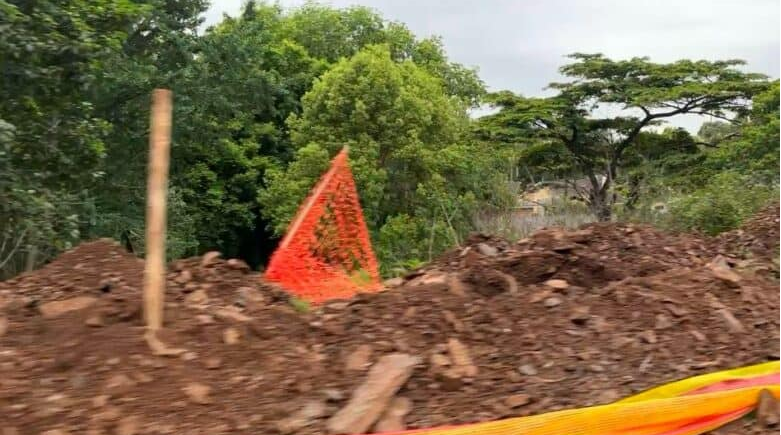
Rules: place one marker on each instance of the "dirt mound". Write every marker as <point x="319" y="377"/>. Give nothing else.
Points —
<point x="492" y="330"/>
<point x="757" y="237"/>
<point x="591" y="256"/>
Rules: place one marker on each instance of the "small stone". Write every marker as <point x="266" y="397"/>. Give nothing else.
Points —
<point x="333" y="395"/>
<point x="676" y="310"/>
<point x="236" y="264"/>
<point x="517" y="400"/>
<point x="100" y="401"/>
<point x="198" y="297"/>
<point x="439" y="360"/>
<point x="393" y="418"/>
<point x="456" y="286"/>
<point x="450" y="379"/>
<point x="95" y="321"/>
<point x="462" y="361"/>
<point x="767" y="409"/>
<point x="451" y="318"/>
<point x="231" y="336"/>
<point x="433" y="278"/>
<point x="311" y="411"/>
<point x="143" y="378"/>
<point x="213" y="363"/>
<point x="608" y="396"/>
<point x="205" y="319"/>
<point x="648" y="336"/>
<point x="393" y="282"/>
<point x="733" y="323"/>
<point x="184" y="277"/>
<point x="209" y="258"/>
<point x="359" y="358"/>
<point x="596" y="368"/>
<point x="198" y="393"/>
<point x="251" y="296"/>
<point x="487" y="250"/>
<point x="119" y="384"/>
<point x="189" y="356"/>
<point x="699" y="336"/>
<point x="58" y="308"/>
<point x="723" y="271"/>
<point x="557" y="284"/>
<point x="564" y="247"/>
<point x="55" y="432"/>
<point x="128" y="426"/>
<point x="663" y="322"/>
<point x="580" y="315"/>
<point x="3" y="325"/>
<point x="113" y="361"/>
<point x="527" y="369"/>
<point x="552" y="301"/>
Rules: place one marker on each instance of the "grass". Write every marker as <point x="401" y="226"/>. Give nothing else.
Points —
<point x="513" y="226"/>
<point x="299" y="305"/>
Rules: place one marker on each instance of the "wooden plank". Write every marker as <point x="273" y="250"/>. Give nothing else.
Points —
<point x="157" y="193"/>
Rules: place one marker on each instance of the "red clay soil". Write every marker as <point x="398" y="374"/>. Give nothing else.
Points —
<point x="561" y="320"/>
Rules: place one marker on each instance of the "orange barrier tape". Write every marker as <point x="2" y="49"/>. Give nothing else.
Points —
<point x="688" y="407"/>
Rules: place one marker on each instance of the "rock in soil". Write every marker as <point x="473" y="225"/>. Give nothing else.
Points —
<point x="767" y="409"/>
<point x="371" y="398"/>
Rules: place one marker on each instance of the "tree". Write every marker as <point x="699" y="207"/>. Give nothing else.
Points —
<point x="52" y="138"/>
<point x="234" y="87"/>
<point x="332" y="34"/>
<point x="157" y="52"/>
<point x="572" y="125"/>
<point x="412" y="164"/>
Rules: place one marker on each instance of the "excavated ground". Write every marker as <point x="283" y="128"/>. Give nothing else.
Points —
<point x="494" y="329"/>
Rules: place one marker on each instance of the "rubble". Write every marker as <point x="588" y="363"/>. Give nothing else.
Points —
<point x="640" y="308"/>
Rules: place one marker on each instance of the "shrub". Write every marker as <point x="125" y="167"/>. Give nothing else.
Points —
<point x="721" y="205"/>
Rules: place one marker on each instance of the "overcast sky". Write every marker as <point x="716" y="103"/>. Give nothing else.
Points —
<point x="520" y="44"/>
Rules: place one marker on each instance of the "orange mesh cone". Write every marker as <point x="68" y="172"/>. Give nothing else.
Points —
<point x="326" y="252"/>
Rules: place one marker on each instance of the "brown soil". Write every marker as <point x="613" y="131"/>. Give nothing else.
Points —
<point x="561" y="320"/>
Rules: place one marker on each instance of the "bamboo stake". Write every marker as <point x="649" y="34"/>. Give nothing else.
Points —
<point x="157" y="192"/>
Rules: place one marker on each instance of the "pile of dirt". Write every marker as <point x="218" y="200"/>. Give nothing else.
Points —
<point x="756" y="238"/>
<point x="492" y="330"/>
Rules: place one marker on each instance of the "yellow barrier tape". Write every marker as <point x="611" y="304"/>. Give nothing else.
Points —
<point x="683" y="386"/>
<point x="664" y="410"/>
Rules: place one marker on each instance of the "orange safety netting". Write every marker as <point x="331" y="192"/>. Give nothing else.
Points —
<point x="326" y="252"/>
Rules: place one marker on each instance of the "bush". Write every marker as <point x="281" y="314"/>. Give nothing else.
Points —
<point x="721" y="205"/>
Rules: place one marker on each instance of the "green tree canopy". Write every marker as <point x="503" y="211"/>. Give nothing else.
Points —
<point x="408" y="150"/>
<point x="52" y="138"/>
<point x="572" y="124"/>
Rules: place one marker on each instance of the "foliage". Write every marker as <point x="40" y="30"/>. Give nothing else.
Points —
<point x="300" y="305"/>
<point x="265" y="99"/>
<point x="52" y="138"/>
<point x="333" y="34"/>
<point x="406" y="138"/>
<point x="234" y="87"/>
<point x="583" y="143"/>
<point x="724" y="175"/>
<point x="721" y="205"/>
<point x="753" y="147"/>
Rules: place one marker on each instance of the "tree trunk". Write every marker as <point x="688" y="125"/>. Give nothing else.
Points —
<point x="600" y="205"/>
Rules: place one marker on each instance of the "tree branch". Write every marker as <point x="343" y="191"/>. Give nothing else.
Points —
<point x="715" y="144"/>
<point x="13" y="251"/>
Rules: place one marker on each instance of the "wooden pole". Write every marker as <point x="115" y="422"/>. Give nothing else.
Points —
<point x="156" y="194"/>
